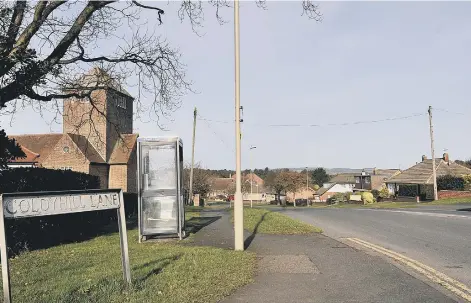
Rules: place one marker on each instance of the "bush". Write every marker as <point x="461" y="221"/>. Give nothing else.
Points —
<point x="340" y="197"/>
<point x="384" y="193"/>
<point x="449" y="182"/>
<point x="367" y="198"/>
<point x="375" y="193"/>
<point x="26" y="179"/>
<point x="42" y="232"/>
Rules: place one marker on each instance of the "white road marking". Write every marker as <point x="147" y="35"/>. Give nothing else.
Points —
<point x="420" y="213"/>
<point x="434" y="275"/>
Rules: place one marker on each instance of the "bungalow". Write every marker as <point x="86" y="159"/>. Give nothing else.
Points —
<point x="303" y="193"/>
<point x="220" y="187"/>
<point x="223" y="186"/>
<point x="341" y="183"/>
<point x="418" y="179"/>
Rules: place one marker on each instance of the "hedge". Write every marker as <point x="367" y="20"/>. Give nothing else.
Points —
<point x="42" y="232"/>
<point x="449" y="182"/>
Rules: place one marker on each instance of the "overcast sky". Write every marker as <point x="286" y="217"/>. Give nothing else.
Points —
<point x="365" y="61"/>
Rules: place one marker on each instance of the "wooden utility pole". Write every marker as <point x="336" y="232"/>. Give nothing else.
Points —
<point x="195" y="112"/>
<point x="434" y="169"/>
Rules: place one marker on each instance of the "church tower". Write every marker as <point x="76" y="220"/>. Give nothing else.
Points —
<point x="102" y="120"/>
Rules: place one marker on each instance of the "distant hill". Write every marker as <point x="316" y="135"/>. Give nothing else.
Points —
<point x="339" y="170"/>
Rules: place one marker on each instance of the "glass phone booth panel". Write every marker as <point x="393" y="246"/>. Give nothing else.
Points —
<point x="161" y="210"/>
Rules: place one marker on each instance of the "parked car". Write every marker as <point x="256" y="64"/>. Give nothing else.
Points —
<point x="302" y="202"/>
<point x="221" y="197"/>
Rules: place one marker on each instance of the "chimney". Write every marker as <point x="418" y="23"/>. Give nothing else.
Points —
<point x="374" y="171"/>
<point x="424" y="157"/>
<point x="446" y="157"/>
<point x="230" y="176"/>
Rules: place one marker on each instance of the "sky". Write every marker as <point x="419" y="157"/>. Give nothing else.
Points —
<point x="366" y="61"/>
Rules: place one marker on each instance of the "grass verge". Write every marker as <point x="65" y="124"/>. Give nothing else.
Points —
<point x="268" y="222"/>
<point x="378" y="205"/>
<point x="162" y="272"/>
<point x="451" y="201"/>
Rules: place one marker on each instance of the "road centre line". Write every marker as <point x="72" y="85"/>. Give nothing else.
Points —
<point x="434" y="275"/>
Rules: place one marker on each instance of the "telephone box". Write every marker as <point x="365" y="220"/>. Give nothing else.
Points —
<point x="161" y="212"/>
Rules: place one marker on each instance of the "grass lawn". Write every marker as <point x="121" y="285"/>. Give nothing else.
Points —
<point x="451" y="201"/>
<point x="268" y="222"/>
<point x="162" y="272"/>
<point x="379" y="205"/>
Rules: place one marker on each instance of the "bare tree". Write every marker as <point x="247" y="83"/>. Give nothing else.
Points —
<point x="231" y="188"/>
<point x="285" y="181"/>
<point x="46" y="46"/>
<point x="201" y="180"/>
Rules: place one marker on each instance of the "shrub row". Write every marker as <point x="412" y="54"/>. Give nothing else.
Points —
<point x="42" y="232"/>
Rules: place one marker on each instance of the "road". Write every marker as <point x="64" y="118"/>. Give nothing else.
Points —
<point x="439" y="236"/>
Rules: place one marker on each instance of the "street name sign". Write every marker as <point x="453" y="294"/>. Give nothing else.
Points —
<point x="44" y="205"/>
<point x="24" y="205"/>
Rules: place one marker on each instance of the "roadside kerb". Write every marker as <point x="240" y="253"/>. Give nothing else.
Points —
<point x="451" y="284"/>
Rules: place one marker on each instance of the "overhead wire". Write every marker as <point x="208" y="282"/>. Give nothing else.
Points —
<point x="449" y="112"/>
<point x="322" y="125"/>
<point x="215" y="133"/>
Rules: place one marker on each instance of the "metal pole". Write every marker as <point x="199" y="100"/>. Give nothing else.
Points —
<point x="307" y="187"/>
<point x="238" y="206"/>
<point x="4" y="257"/>
<point x="123" y="239"/>
<point x="139" y="191"/>
<point x="251" y="182"/>
<point x="434" y="169"/>
<point x="195" y="112"/>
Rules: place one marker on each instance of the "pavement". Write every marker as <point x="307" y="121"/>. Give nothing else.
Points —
<point x="439" y="236"/>
<point x="317" y="268"/>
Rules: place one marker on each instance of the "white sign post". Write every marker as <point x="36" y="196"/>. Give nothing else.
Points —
<point x="24" y="205"/>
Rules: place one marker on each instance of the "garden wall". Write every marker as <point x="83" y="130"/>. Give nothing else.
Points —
<point x="447" y="194"/>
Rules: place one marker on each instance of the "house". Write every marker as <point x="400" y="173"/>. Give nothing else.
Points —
<point x="303" y="193"/>
<point x="418" y="179"/>
<point x="251" y="177"/>
<point x="100" y="144"/>
<point x="341" y="183"/>
<point x="220" y="187"/>
<point x="375" y="180"/>
<point x="31" y="159"/>
<point x="366" y="180"/>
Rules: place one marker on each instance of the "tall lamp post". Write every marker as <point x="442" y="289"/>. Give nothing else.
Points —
<point x="251" y="177"/>
<point x="238" y="206"/>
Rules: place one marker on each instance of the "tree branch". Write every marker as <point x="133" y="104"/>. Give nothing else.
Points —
<point x="41" y="13"/>
<point x="15" y="23"/>
<point x="34" y="95"/>
<point x="160" y="12"/>
<point x="74" y="31"/>
<point x="24" y="82"/>
<point x="75" y="59"/>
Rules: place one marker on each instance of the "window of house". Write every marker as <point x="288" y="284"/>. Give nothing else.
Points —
<point x="357" y="180"/>
<point x="121" y="101"/>
<point x="367" y="180"/>
<point x="66" y="149"/>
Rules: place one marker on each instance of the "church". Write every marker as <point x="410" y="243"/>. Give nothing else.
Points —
<point x="96" y="139"/>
